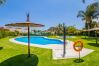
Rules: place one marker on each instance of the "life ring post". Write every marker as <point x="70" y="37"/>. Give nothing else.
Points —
<point x="79" y="56"/>
<point x="78" y="48"/>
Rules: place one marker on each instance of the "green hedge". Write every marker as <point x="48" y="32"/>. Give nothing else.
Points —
<point x="6" y="33"/>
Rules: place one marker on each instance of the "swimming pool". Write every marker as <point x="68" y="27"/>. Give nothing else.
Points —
<point x="39" y="40"/>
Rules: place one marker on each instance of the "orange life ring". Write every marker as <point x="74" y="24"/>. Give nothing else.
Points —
<point x="78" y="48"/>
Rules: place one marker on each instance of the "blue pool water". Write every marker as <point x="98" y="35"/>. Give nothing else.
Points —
<point x="39" y="40"/>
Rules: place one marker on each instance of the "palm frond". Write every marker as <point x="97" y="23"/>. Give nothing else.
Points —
<point x="83" y="1"/>
<point x="81" y="13"/>
<point x="95" y="15"/>
<point x="2" y="1"/>
<point x="83" y="19"/>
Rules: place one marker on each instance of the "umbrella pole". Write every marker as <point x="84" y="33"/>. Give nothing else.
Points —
<point x="28" y="41"/>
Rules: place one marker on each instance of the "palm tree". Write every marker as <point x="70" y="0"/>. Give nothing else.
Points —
<point x="2" y="1"/>
<point x="83" y="1"/>
<point x="94" y="24"/>
<point x="59" y="28"/>
<point x="71" y="30"/>
<point x="53" y="30"/>
<point x="91" y="12"/>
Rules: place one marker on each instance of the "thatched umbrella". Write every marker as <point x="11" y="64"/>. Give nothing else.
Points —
<point x="27" y="24"/>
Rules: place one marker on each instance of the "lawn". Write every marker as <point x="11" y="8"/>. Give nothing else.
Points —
<point x="12" y="54"/>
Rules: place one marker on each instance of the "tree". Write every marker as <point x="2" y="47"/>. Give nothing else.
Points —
<point x="2" y="1"/>
<point x="94" y="24"/>
<point x="71" y="30"/>
<point x="91" y="12"/>
<point x="52" y="30"/>
<point x="83" y="1"/>
<point x="59" y="29"/>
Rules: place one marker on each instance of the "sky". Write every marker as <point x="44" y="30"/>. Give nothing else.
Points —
<point x="47" y="12"/>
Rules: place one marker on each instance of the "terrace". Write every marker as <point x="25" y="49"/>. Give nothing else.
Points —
<point x="47" y="41"/>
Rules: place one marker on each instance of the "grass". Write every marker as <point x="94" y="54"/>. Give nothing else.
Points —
<point x="12" y="54"/>
<point x="53" y="36"/>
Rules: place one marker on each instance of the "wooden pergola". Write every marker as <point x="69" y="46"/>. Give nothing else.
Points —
<point x="95" y="29"/>
<point x="85" y="33"/>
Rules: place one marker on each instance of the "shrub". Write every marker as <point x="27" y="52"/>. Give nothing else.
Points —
<point x="6" y="33"/>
